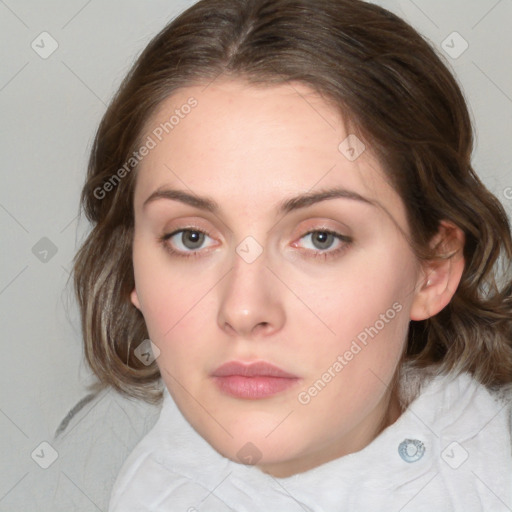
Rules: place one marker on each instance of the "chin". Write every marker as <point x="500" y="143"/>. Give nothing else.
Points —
<point x="255" y="450"/>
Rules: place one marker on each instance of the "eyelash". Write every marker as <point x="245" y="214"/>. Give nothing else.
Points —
<point x="347" y="241"/>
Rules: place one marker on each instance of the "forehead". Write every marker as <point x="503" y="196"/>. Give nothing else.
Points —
<point x="247" y="144"/>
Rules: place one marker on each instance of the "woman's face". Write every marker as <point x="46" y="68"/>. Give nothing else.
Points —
<point x="263" y="235"/>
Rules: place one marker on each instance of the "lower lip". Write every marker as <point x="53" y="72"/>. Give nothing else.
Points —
<point x="254" y="387"/>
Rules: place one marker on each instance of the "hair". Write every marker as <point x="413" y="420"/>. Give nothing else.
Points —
<point x="400" y="98"/>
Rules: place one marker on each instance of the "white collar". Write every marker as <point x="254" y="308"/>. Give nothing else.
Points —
<point x="443" y="411"/>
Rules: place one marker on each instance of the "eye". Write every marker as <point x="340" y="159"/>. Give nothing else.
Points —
<point x="324" y="242"/>
<point x="188" y="242"/>
<point x="185" y="242"/>
<point x="321" y="240"/>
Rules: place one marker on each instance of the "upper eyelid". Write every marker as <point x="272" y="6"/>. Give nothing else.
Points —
<point x="202" y="230"/>
<point x="180" y="230"/>
<point x="339" y="236"/>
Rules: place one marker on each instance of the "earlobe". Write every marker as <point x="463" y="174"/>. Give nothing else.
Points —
<point x="441" y="276"/>
<point x="135" y="299"/>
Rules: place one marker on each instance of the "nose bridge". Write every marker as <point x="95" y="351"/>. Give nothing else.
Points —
<point x="250" y="300"/>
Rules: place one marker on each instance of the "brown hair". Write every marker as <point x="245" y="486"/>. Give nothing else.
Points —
<point x="399" y="97"/>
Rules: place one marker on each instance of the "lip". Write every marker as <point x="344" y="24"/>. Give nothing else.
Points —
<point x="252" y="380"/>
<point x="257" y="369"/>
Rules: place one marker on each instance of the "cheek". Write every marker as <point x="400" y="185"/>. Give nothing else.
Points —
<point x="360" y="332"/>
<point x="349" y="371"/>
<point x="176" y="312"/>
<point x="165" y="295"/>
<point x="175" y="316"/>
<point x="370" y="290"/>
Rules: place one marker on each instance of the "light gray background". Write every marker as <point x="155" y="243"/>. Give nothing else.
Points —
<point x="50" y="109"/>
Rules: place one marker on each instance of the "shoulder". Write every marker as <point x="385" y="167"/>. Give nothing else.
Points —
<point x="171" y="465"/>
<point x="502" y="397"/>
<point x="464" y="430"/>
<point x="458" y="401"/>
<point x="460" y="412"/>
<point x="451" y="389"/>
<point x="92" y="442"/>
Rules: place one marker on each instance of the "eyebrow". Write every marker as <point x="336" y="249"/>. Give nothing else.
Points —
<point x="294" y="203"/>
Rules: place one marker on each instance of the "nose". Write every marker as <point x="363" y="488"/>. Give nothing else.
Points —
<point x="251" y="303"/>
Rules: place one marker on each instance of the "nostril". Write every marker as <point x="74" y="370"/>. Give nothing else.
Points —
<point x="262" y="326"/>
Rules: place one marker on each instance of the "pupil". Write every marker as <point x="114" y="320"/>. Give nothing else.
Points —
<point x="322" y="239"/>
<point x="192" y="239"/>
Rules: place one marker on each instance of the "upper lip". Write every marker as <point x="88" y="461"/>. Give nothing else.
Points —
<point x="257" y="369"/>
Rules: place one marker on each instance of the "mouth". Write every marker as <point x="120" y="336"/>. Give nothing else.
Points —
<point x="252" y="381"/>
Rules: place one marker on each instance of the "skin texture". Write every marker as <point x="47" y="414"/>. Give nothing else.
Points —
<point x="249" y="149"/>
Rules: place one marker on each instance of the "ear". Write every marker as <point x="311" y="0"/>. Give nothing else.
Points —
<point x="440" y="277"/>
<point x="135" y="299"/>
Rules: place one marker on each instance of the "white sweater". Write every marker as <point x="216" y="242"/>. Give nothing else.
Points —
<point x="450" y="450"/>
